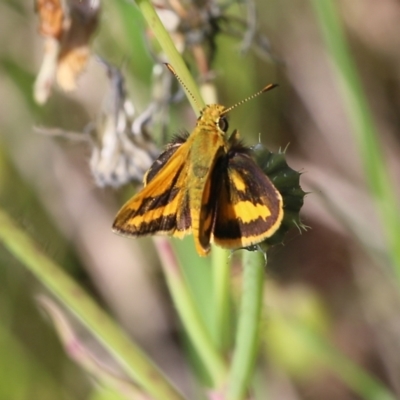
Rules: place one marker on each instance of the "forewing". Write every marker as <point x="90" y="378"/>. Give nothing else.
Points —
<point x="248" y="206"/>
<point x="162" y="206"/>
<point x="165" y="156"/>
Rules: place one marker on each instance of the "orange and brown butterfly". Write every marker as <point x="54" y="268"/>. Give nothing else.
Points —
<point x="206" y="184"/>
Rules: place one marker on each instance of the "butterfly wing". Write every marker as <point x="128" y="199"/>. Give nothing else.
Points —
<point x="248" y="207"/>
<point x="162" y="206"/>
<point x="165" y="156"/>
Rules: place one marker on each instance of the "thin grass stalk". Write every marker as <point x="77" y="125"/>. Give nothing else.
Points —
<point x="172" y="53"/>
<point x="221" y="293"/>
<point x="190" y="315"/>
<point x="247" y="335"/>
<point x="135" y="363"/>
<point x="366" y="135"/>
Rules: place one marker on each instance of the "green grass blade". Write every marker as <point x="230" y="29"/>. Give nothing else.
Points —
<point x="131" y="357"/>
<point x="363" y="127"/>
<point x="172" y="53"/>
<point x="189" y="314"/>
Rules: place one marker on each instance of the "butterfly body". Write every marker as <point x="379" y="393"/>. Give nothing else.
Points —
<point x="208" y="144"/>
<point x="206" y="184"/>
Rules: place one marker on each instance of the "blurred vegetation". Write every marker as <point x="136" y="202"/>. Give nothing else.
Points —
<point x="331" y="302"/>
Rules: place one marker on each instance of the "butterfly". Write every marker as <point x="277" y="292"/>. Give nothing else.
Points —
<point x="206" y="184"/>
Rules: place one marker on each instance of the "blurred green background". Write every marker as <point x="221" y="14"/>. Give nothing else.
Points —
<point x="336" y="278"/>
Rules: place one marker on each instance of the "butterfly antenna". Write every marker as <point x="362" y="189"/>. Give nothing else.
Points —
<point x="169" y="66"/>
<point x="263" y="90"/>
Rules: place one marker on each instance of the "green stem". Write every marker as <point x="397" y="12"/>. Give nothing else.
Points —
<point x="172" y="53"/>
<point x="247" y="339"/>
<point x="363" y="127"/>
<point x="221" y="273"/>
<point x="136" y="364"/>
<point x="189" y="314"/>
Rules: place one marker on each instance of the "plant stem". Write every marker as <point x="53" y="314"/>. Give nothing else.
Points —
<point x="247" y="338"/>
<point x="172" y="53"/>
<point x="189" y="314"/>
<point x="363" y="127"/>
<point x="221" y="273"/>
<point x="135" y="363"/>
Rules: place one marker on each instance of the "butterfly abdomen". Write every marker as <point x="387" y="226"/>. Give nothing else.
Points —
<point x="208" y="146"/>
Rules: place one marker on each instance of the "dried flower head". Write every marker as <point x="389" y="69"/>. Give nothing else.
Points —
<point x="67" y="27"/>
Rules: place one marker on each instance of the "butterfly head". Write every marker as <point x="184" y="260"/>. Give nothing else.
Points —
<point x="213" y="115"/>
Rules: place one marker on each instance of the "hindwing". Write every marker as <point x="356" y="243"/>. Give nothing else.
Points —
<point x="248" y="207"/>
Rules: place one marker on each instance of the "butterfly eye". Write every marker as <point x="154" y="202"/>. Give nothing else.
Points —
<point x="223" y="124"/>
